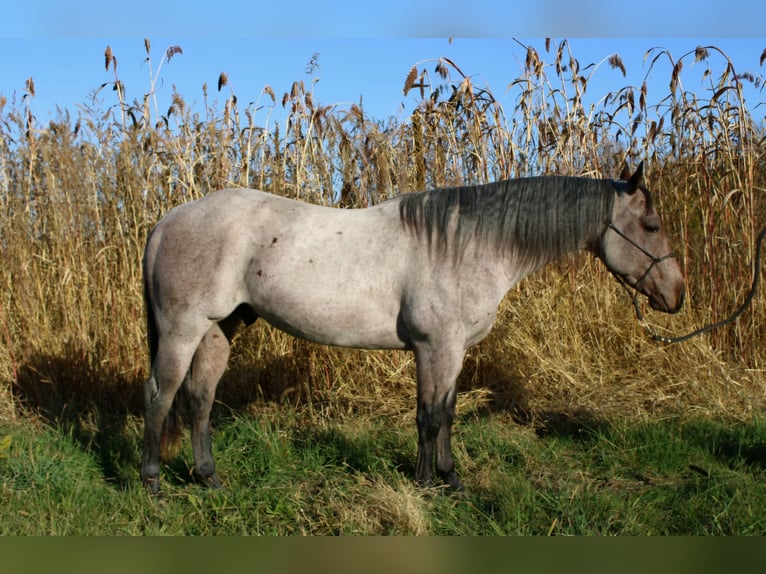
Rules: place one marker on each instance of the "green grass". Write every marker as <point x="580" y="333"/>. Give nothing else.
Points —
<point x="287" y="473"/>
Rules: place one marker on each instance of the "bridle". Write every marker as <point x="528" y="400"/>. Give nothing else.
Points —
<point x="654" y="260"/>
<point x="632" y="289"/>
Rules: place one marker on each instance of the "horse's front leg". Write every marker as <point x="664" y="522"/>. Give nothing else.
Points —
<point x="438" y="365"/>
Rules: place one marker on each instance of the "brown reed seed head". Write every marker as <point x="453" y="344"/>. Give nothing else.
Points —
<point x="172" y="51"/>
<point x="410" y="80"/>
<point x="108" y="58"/>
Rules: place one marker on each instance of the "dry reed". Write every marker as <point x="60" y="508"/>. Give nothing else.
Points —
<point x="78" y="196"/>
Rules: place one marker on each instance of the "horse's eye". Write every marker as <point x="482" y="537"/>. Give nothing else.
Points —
<point x="652" y="227"/>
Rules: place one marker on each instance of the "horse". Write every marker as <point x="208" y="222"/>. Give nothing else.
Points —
<point x="423" y="271"/>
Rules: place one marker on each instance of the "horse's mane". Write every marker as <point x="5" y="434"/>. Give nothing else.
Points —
<point x="533" y="219"/>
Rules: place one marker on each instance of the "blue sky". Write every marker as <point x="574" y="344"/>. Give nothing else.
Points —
<point x="364" y="52"/>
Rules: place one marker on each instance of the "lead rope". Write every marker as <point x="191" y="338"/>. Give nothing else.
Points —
<point x="753" y="288"/>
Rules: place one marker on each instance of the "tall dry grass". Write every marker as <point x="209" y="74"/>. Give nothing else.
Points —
<point x="79" y="195"/>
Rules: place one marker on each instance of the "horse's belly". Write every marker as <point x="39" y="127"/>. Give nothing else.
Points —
<point x="362" y="329"/>
<point x="329" y="311"/>
<point x="329" y="292"/>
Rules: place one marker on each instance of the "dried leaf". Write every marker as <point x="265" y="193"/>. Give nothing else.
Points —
<point x="223" y="80"/>
<point x="700" y="54"/>
<point x="30" y="86"/>
<point x="763" y="57"/>
<point x="720" y="92"/>
<point x="147" y="46"/>
<point x="674" y="77"/>
<point x="107" y="57"/>
<point x="559" y="57"/>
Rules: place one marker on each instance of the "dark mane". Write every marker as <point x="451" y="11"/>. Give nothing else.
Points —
<point x="533" y="219"/>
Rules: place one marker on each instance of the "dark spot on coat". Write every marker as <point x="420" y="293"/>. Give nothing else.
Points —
<point x="273" y="240"/>
<point x="259" y="273"/>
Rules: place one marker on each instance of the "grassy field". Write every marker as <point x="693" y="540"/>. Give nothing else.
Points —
<point x="571" y="421"/>
<point x="292" y="474"/>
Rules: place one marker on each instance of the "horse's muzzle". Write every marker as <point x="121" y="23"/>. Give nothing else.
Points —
<point x="662" y="304"/>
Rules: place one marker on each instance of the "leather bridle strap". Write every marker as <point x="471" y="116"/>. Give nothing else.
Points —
<point x="655" y="260"/>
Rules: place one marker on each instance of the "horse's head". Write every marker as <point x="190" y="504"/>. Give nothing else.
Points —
<point x="636" y="248"/>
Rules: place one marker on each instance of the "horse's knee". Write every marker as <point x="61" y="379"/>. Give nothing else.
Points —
<point x="433" y="417"/>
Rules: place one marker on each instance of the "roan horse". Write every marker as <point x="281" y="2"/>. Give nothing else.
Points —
<point x="422" y="271"/>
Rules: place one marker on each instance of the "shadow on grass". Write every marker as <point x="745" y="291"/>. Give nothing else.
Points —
<point x="510" y="394"/>
<point x="732" y="444"/>
<point x="89" y="402"/>
<point x="101" y="408"/>
<point x="378" y="449"/>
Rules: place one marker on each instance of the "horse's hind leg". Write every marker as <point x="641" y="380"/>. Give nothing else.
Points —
<point x="169" y="369"/>
<point x="208" y="366"/>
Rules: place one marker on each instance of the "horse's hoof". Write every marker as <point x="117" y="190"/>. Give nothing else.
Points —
<point x="211" y="481"/>
<point x="456" y="487"/>
<point x="152" y="486"/>
<point x="453" y="483"/>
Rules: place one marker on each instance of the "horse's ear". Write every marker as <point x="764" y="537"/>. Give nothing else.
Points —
<point x="636" y="179"/>
<point x="625" y="173"/>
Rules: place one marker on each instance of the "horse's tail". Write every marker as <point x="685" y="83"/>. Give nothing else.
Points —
<point x="151" y="324"/>
<point x="170" y="440"/>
